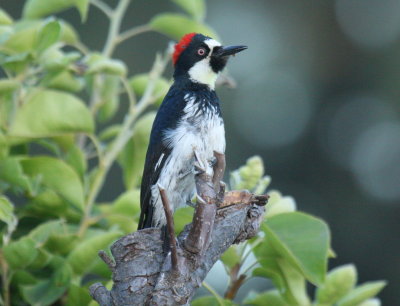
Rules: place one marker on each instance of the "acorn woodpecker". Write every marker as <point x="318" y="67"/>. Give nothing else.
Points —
<point x="187" y="127"/>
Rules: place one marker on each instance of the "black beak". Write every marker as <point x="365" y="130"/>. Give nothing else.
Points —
<point x="229" y="50"/>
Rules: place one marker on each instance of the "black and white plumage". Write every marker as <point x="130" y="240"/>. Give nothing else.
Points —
<point x="189" y="120"/>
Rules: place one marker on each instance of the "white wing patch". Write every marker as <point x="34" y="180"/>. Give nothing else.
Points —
<point x="159" y="161"/>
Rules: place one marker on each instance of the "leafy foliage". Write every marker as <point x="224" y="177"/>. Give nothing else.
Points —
<point x="50" y="239"/>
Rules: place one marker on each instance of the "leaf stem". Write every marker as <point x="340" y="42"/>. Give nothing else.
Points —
<point x="214" y="293"/>
<point x="250" y="267"/>
<point x="5" y="280"/>
<point x="132" y="32"/>
<point x="115" y="24"/>
<point x="129" y="92"/>
<point x="102" y="7"/>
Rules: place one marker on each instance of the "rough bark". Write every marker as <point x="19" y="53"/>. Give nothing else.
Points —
<point x="143" y="272"/>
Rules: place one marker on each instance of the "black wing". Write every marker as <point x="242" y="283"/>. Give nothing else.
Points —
<point x="157" y="153"/>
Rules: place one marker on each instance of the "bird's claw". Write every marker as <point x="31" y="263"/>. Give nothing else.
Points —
<point x="198" y="169"/>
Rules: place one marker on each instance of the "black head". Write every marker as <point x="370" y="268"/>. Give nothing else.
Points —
<point x="201" y="58"/>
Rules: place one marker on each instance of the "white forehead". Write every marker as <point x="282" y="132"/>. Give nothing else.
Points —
<point x="211" y="43"/>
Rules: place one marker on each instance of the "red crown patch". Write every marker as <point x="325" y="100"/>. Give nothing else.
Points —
<point x="181" y="45"/>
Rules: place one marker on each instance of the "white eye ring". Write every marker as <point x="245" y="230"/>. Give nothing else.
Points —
<point x="201" y="51"/>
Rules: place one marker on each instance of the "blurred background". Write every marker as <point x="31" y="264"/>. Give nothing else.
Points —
<point x="318" y="98"/>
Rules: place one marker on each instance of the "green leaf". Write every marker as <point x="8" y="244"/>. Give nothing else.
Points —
<point x="3" y="142"/>
<point x="56" y="175"/>
<point x="55" y="112"/>
<point x="295" y="282"/>
<point x="133" y="155"/>
<point x="262" y="185"/>
<point x="11" y="172"/>
<point x="34" y="9"/>
<point x="61" y="243"/>
<point x="5" y="32"/>
<point x="249" y="175"/>
<point x="124" y="210"/>
<point x="99" y="268"/>
<point x="76" y="159"/>
<point x="279" y="206"/>
<point x="270" y="269"/>
<point x="42" y="259"/>
<point x="6" y="210"/>
<point x="270" y="298"/>
<point x="47" y="204"/>
<point x="26" y="33"/>
<point x="5" y="19"/>
<point x="48" y="35"/>
<point x="98" y="63"/>
<point x="41" y="233"/>
<point x="23" y="37"/>
<point x="338" y="283"/>
<point x="65" y="80"/>
<point x="182" y="216"/>
<point x="139" y="84"/>
<point x="21" y="253"/>
<point x="231" y="257"/>
<point x="110" y="132"/>
<point x="196" y="8"/>
<point x="212" y="301"/>
<point x="81" y="258"/>
<point x="55" y="60"/>
<point x="362" y="293"/>
<point x="177" y="25"/>
<point x="45" y="292"/>
<point x="127" y="204"/>
<point x="109" y="95"/>
<point x="63" y="274"/>
<point x="8" y="217"/>
<point x="8" y="85"/>
<point x="301" y="239"/>
<point x="17" y="62"/>
<point x="78" y="295"/>
<point x="22" y="277"/>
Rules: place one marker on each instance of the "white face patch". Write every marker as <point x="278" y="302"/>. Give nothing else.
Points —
<point x="202" y="72"/>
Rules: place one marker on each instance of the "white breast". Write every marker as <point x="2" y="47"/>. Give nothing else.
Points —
<point x="201" y="130"/>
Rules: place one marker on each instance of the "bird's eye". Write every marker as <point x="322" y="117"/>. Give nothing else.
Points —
<point x="201" y="51"/>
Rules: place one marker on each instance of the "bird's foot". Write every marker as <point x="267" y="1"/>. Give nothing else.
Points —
<point x="199" y="167"/>
<point x="212" y="161"/>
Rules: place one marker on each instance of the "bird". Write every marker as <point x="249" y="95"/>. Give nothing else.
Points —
<point x="188" y="127"/>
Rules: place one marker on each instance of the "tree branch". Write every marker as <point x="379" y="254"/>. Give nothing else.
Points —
<point x="170" y="227"/>
<point x="143" y="273"/>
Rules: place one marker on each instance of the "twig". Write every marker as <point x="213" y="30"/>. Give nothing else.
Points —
<point x="214" y="293"/>
<point x="110" y="263"/>
<point x="102" y="7"/>
<point x="129" y="92"/>
<point x="132" y="32"/>
<point x="250" y="267"/>
<point x="170" y="227"/>
<point x="234" y="287"/>
<point x="113" y="32"/>
<point x="204" y="215"/>
<point x="219" y="169"/>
